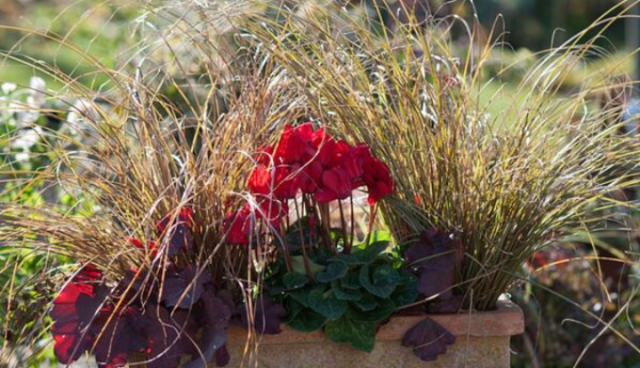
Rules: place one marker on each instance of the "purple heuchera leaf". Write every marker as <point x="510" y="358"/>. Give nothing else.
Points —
<point x="179" y="232"/>
<point x="169" y="336"/>
<point x="222" y="356"/>
<point x="181" y="238"/>
<point x="118" y="335"/>
<point x="268" y="316"/>
<point x="112" y="324"/>
<point x="435" y="258"/>
<point x="215" y="315"/>
<point x="74" y="310"/>
<point x="445" y="306"/>
<point x="184" y="288"/>
<point x="428" y="340"/>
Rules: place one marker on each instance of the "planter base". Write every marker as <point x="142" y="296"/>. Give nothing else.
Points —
<point x="476" y="352"/>
<point x="483" y="341"/>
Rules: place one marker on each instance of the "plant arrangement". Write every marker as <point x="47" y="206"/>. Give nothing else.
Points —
<point x="321" y="276"/>
<point x="200" y="221"/>
<point x="219" y="208"/>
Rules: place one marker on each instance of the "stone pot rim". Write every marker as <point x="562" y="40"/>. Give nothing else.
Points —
<point x="506" y="320"/>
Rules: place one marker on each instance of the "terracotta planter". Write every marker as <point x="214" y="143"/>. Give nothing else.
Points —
<point x="483" y="341"/>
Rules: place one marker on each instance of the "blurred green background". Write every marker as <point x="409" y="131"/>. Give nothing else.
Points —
<point x="103" y="28"/>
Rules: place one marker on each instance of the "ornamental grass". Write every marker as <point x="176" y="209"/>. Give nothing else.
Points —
<point x="506" y="172"/>
<point x="158" y="179"/>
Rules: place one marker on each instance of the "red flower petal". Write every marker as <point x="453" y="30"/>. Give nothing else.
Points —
<point x="260" y="181"/>
<point x="237" y="226"/>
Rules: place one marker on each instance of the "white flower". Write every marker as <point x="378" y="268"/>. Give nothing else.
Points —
<point x="8" y="88"/>
<point x="81" y="121"/>
<point x="13" y="108"/>
<point x="81" y="110"/>
<point x="38" y="89"/>
<point x="22" y="157"/>
<point x="28" y="113"/>
<point x="27" y="139"/>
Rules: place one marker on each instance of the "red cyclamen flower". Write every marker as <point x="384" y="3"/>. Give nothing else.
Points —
<point x="237" y="226"/>
<point x="315" y="163"/>
<point x="375" y="175"/>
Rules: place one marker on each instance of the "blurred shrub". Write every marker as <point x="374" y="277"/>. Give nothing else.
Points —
<point x="572" y="286"/>
<point x="534" y="23"/>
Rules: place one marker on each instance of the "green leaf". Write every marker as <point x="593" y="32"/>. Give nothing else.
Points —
<point x="345" y="294"/>
<point x="367" y="303"/>
<point x="351" y="281"/>
<point x="276" y="290"/>
<point x="293" y="308"/>
<point x="369" y="253"/>
<point x="349" y="259"/>
<point x="307" y="321"/>
<point x="299" y="233"/>
<point x="327" y="305"/>
<point x="386" y="273"/>
<point x="334" y="271"/>
<point x="382" y="282"/>
<point x="297" y="263"/>
<point x="361" y="335"/>
<point x="407" y="290"/>
<point x="384" y="309"/>
<point x="301" y="296"/>
<point x="294" y="280"/>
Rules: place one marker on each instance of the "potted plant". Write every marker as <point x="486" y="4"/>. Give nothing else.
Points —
<point x="339" y="285"/>
<point x="221" y="239"/>
<point x="161" y="303"/>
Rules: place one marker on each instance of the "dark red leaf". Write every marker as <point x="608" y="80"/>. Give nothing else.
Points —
<point x="428" y="340"/>
<point x="169" y="336"/>
<point x="179" y="232"/>
<point x="222" y="356"/>
<point x="268" y="316"/>
<point x="445" y="306"/>
<point x="118" y="334"/>
<point x="435" y="258"/>
<point x="184" y="288"/>
<point x="73" y="312"/>
<point x="215" y="316"/>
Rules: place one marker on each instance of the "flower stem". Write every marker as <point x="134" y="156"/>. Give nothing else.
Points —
<point x="353" y="225"/>
<point x="305" y="257"/>
<point x="347" y="246"/>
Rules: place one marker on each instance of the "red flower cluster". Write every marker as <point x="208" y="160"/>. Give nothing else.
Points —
<point x="313" y="163"/>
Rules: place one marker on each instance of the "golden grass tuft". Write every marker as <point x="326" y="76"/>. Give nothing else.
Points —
<point x="506" y="183"/>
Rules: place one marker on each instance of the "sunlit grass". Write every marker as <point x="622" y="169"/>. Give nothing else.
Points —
<point x="507" y="167"/>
